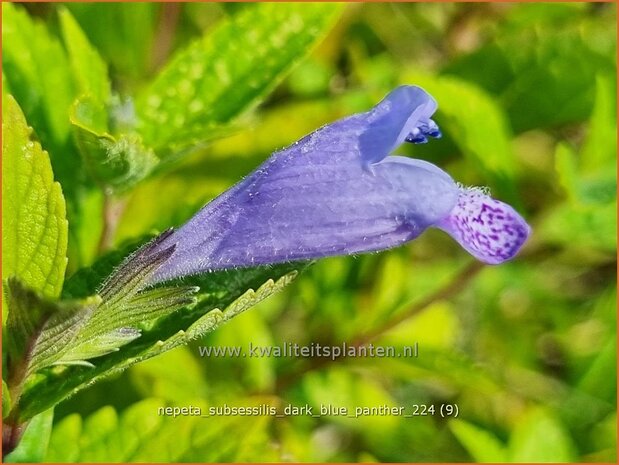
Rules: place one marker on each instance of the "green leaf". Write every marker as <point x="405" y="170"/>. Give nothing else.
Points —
<point x="33" y="445"/>
<point x="545" y="75"/>
<point x="477" y="125"/>
<point x="89" y="69"/>
<point x="39" y="330"/>
<point x="600" y="149"/>
<point x="580" y="226"/>
<point x="42" y="333"/>
<point x="554" y="81"/>
<point x="227" y="72"/>
<point x="129" y="48"/>
<point x="115" y="163"/>
<point x="596" y="381"/>
<point x="216" y="317"/>
<point x="122" y="304"/>
<point x="38" y="72"/>
<point x="6" y="89"/>
<point x="589" y="218"/>
<point x="34" y="232"/>
<point x="483" y="446"/>
<point x="567" y="170"/>
<point x="592" y="189"/>
<point x="540" y="437"/>
<point x="63" y="444"/>
<point x="222" y="296"/>
<point x="6" y="400"/>
<point x="87" y="280"/>
<point x="97" y="346"/>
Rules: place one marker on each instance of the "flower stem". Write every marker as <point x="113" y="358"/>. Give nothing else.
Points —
<point x="112" y="210"/>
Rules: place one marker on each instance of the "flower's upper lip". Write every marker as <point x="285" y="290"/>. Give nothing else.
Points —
<point x="392" y="120"/>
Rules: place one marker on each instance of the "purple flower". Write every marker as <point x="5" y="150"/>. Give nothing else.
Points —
<point x="338" y="191"/>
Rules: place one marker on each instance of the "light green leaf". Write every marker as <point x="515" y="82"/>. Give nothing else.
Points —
<point x="604" y="436"/>
<point x="567" y="170"/>
<point x="600" y="149"/>
<point x="89" y="69"/>
<point x="540" y="437"/>
<point x="483" y="446"/>
<point x="340" y="387"/>
<point x="477" y="125"/>
<point x="97" y="346"/>
<point x="227" y="72"/>
<point x="116" y="163"/>
<point x="34" y="232"/>
<point x="175" y="376"/>
<point x="33" y="445"/>
<point x="63" y="444"/>
<point x="138" y="434"/>
<point x="216" y="317"/>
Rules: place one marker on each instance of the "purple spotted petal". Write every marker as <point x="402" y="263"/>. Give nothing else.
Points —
<point x="337" y="191"/>
<point x="489" y="230"/>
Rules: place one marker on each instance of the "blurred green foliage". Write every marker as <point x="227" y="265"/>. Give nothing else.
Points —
<point x="526" y="93"/>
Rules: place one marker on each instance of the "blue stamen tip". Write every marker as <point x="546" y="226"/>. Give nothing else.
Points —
<point x="416" y="139"/>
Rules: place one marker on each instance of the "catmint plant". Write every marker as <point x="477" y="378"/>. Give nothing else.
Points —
<point x="340" y="191"/>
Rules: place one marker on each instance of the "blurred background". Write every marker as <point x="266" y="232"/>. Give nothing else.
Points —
<point x="526" y="350"/>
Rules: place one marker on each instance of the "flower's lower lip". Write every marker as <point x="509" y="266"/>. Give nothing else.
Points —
<point x="488" y="229"/>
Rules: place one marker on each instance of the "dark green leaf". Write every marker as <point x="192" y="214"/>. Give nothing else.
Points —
<point x="551" y="80"/>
